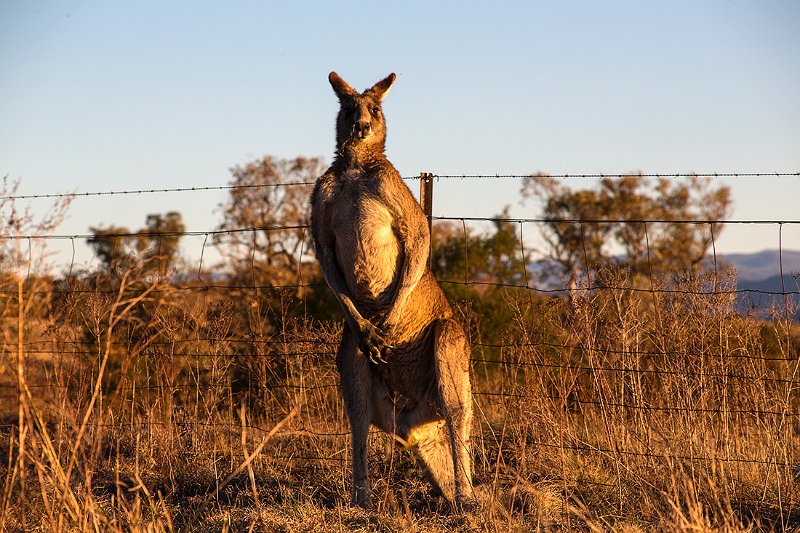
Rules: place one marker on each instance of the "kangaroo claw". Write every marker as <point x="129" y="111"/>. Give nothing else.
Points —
<point x="376" y="359"/>
<point x="373" y="344"/>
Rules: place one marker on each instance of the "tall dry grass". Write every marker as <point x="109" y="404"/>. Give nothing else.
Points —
<point x="133" y="404"/>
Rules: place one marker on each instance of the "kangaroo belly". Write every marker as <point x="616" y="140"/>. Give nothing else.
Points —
<point x="368" y="251"/>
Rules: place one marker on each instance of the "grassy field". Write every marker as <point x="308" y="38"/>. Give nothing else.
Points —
<point x="134" y="405"/>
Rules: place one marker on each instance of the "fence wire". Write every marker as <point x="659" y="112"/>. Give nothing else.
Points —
<point x="123" y="192"/>
<point x="555" y="362"/>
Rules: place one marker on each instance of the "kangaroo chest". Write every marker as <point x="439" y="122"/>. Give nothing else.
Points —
<point x="367" y="248"/>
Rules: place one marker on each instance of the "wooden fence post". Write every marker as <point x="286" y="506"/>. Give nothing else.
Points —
<point x="426" y="202"/>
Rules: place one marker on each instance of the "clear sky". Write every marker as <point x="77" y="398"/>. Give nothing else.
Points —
<point x="103" y="95"/>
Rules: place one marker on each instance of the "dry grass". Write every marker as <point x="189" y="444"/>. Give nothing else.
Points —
<point x="131" y="405"/>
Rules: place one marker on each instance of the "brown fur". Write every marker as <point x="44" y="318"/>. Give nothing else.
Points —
<point x="403" y="360"/>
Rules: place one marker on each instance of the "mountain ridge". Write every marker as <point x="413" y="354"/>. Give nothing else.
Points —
<point x="763" y="265"/>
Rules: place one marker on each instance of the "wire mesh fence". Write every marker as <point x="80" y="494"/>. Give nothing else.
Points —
<point x="600" y="379"/>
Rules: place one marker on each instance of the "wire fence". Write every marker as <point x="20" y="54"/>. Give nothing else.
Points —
<point x="435" y="176"/>
<point x="605" y="367"/>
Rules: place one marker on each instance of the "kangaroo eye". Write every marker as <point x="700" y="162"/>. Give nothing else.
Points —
<point x="376" y="111"/>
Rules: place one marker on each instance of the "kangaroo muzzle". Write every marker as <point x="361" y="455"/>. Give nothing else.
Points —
<point x="361" y="129"/>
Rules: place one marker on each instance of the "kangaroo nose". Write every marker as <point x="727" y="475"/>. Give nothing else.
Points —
<point x="363" y="129"/>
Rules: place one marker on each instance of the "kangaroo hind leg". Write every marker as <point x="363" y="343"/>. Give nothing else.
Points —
<point x="355" y="382"/>
<point x="452" y="359"/>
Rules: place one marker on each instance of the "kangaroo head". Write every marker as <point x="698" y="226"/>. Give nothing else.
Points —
<point x="360" y="125"/>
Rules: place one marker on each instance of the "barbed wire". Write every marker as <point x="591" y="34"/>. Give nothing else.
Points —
<point x="156" y="191"/>
<point x="603" y="175"/>
<point x="599" y="175"/>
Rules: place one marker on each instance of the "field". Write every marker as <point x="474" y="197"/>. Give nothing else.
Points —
<point x="137" y="403"/>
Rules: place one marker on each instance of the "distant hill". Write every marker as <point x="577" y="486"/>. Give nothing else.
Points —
<point x="790" y="283"/>
<point x="758" y="272"/>
<point x="760" y="269"/>
<point x="764" y="265"/>
<point x="764" y="298"/>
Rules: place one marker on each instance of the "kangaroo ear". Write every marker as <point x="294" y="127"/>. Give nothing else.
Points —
<point x="340" y="87"/>
<point x="381" y="89"/>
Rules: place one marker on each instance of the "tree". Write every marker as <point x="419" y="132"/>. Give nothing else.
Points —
<point x="113" y="247"/>
<point x="152" y="250"/>
<point x="158" y="241"/>
<point x="632" y="222"/>
<point x="481" y="270"/>
<point x="492" y="259"/>
<point x="265" y="218"/>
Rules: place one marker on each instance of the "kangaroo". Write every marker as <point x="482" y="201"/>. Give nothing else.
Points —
<point x="403" y="360"/>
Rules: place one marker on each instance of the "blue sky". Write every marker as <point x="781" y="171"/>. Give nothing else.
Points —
<point x="107" y="95"/>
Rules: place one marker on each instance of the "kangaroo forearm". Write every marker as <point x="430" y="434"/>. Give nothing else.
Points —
<point x="335" y="280"/>
<point x="414" y="266"/>
<point x="351" y="314"/>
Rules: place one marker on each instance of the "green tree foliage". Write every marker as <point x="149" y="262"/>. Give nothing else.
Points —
<point x="480" y="271"/>
<point x="461" y="254"/>
<point x="587" y="229"/>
